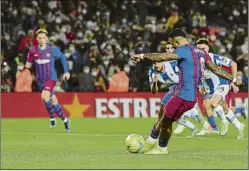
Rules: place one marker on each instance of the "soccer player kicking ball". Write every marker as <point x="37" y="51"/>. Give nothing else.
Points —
<point x="191" y="61"/>
<point x="167" y="73"/>
<point x="217" y="88"/>
<point x="44" y="57"/>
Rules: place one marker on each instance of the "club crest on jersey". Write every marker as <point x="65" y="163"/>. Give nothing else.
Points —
<point x="222" y="88"/>
<point x="48" y="54"/>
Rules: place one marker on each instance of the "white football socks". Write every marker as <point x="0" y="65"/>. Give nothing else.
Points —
<point x="185" y="122"/>
<point x="231" y="116"/>
<point x="220" y="112"/>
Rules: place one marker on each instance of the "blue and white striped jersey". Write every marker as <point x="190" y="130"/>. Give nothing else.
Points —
<point x="168" y="76"/>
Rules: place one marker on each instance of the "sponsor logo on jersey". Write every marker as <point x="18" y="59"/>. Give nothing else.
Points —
<point x="42" y="61"/>
<point x="48" y="54"/>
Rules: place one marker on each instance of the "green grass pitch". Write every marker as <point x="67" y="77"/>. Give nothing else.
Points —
<point x="99" y="144"/>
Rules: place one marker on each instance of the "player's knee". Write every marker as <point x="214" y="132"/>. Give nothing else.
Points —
<point x="54" y="100"/>
<point x="45" y="96"/>
<point x="214" y="104"/>
<point x="207" y="106"/>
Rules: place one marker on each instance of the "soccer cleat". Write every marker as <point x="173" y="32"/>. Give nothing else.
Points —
<point x="194" y="132"/>
<point x="206" y="125"/>
<point x="224" y="127"/>
<point x="179" y="129"/>
<point x="52" y="123"/>
<point x="202" y="132"/>
<point x="210" y="130"/>
<point x="148" y="145"/>
<point x="158" y="150"/>
<point x="67" y="126"/>
<point x="244" y="112"/>
<point x="241" y="131"/>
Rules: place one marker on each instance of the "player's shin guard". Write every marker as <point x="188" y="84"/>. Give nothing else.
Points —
<point x="58" y="110"/>
<point x="50" y="108"/>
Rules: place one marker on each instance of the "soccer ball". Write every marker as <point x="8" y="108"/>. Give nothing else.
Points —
<point x="134" y="143"/>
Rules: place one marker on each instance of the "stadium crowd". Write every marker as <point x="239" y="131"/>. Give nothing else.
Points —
<point x="99" y="36"/>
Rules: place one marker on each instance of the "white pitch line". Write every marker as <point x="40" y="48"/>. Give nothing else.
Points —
<point x="108" y="135"/>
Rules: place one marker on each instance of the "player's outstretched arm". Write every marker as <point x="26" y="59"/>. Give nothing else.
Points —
<point x="221" y="72"/>
<point x="155" y="57"/>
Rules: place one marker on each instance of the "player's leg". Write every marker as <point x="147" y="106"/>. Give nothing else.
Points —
<point x="45" y="96"/>
<point x="219" y="95"/>
<point x="240" y="111"/>
<point x="193" y="113"/>
<point x="186" y="123"/>
<point x="173" y="110"/>
<point x="156" y="128"/>
<point x="58" y="110"/>
<point x="152" y="139"/>
<point x="232" y="118"/>
<point x="208" y="111"/>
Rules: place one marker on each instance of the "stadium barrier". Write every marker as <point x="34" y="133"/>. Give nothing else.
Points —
<point x="91" y="105"/>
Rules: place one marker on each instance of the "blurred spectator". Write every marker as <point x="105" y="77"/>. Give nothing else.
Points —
<point x="198" y="20"/>
<point x="99" y="81"/>
<point x="100" y="33"/>
<point x="23" y="79"/>
<point x="28" y="41"/>
<point x="85" y="80"/>
<point x="172" y="20"/>
<point x="119" y="81"/>
<point x="243" y="77"/>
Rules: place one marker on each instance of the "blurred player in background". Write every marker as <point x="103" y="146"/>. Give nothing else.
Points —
<point x="191" y="61"/>
<point x="216" y="89"/>
<point x="43" y="56"/>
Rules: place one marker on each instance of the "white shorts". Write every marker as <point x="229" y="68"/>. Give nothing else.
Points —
<point x="222" y="90"/>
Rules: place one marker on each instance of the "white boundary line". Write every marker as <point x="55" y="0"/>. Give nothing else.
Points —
<point x="110" y="135"/>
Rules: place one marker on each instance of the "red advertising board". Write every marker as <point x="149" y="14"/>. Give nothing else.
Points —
<point x="99" y="105"/>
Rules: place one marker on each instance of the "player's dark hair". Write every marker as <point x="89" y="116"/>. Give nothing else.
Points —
<point x="168" y="43"/>
<point x="202" y="41"/>
<point x="177" y="32"/>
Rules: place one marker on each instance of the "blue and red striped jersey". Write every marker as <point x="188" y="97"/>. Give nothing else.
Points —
<point x="190" y="64"/>
<point x="45" y="62"/>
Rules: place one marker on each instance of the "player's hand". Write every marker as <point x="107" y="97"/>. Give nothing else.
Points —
<point x="202" y="90"/>
<point x="136" y="58"/>
<point x="155" y="78"/>
<point x="239" y="82"/>
<point x="235" y="88"/>
<point x="66" y="76"/>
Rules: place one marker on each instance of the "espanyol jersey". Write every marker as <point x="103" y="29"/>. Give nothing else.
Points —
<point x="209" y="80"/>
<point x="168" y="76"/>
